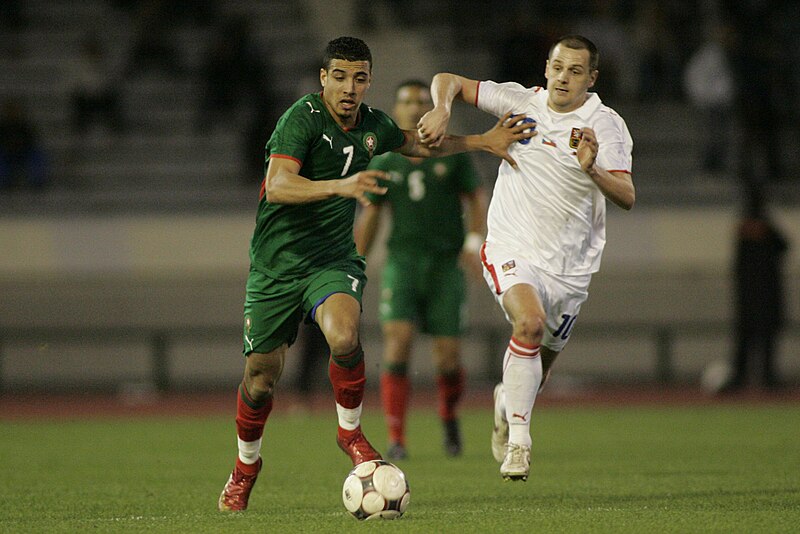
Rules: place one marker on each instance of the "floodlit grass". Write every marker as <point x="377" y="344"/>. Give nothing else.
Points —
<point x="671" y="469"/>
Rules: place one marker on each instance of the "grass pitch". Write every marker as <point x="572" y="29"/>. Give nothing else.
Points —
<point x="723" y="469"/>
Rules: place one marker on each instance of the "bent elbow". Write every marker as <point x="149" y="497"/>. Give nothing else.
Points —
<point x="271" y="191"/>
<point x="625" y="200"/>
<point x="629" y="201"/>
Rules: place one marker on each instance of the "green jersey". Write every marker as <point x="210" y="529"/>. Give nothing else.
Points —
<point x="297" y="239"/>
<point x="426" y="204"/>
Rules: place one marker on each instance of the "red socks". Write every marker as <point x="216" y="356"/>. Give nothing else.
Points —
<point x="451" y="388"/>
<point x="346" y="373"/>
<point x="251" y="415"/>
<point x="395" y="391"/>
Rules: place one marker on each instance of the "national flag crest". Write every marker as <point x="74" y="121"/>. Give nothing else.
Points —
<point x="507" y="266"/>
<point x="370" y="142"/>
<point x="575" y="138"/>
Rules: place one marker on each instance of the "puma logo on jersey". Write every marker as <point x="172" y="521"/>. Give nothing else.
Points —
<point x="523" y="417"/>
<point x="328" y="139"/>
<point x="312" y="108"/>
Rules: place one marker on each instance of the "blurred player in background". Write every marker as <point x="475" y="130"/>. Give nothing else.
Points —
<point x="304" y="263"/>
<point x="546" y="222"/>
<point x="422" y="282"/>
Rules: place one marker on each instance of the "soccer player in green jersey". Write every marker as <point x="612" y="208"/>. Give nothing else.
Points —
<point x="304" y="263"/>
<point x="422" y="284"/>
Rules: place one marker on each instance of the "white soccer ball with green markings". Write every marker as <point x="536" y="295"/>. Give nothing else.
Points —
<point x="376" y="489"/>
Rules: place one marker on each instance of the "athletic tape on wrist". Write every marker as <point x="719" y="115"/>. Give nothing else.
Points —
<point x="473" y="242"/>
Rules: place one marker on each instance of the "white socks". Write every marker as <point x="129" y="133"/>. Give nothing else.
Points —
<point x="349" y="418"/>
<point x="249" y="450"/>
<point x="522" y="375"/>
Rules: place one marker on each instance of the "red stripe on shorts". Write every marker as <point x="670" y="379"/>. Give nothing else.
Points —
<point x="490" y="268"/>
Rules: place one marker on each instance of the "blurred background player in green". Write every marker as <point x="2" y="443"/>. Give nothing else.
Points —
<point x="422" y="285"/>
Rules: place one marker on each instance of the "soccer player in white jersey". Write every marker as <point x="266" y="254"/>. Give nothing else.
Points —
<point x="546" y="220"/>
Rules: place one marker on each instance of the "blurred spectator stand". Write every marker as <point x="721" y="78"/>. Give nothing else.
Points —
<point x="23" y="162"/>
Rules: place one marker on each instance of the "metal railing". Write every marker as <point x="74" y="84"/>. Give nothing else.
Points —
<point x="492" y="338"/>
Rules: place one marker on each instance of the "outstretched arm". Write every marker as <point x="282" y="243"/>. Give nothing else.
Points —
<point x="445" y="88"/>
<point x="476" y="231"/>
<point x="475" y="202"/>
<point x="284" y="185"/>
<point x="367" y="228"/>
<point x="495" y="141"/>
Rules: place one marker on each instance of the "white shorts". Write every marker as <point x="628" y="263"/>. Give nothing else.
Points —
<point x="561" y="295"/>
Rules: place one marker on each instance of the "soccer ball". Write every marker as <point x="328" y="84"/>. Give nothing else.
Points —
<point x="716" y="376"/>
<point x="376" y="489"/>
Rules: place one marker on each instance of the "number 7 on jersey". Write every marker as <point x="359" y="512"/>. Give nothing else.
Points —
<point x="354" y="286"/>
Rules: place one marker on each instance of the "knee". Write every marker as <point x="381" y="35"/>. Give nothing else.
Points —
<point x="447" y="357"/>
<point x="529" y="328"/>
<point x="448" y="363"/>
<point x="396" y="347"/>
<point x="342" y="340"/>
<point x="260" y="383"/>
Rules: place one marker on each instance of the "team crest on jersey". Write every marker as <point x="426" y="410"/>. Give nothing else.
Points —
<point x="248" y="324"/>
<point x="575" y="138"/>
<point x="370" y="142"/>
<point x="507" y="266"/>
<point x="440" y="169"/>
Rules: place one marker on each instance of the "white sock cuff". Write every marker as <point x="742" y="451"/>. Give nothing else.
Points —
<point x="349" y="418"/>
<point x="249" y="450"/>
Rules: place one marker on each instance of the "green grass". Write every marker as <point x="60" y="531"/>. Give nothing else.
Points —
<point x="672" y="469"/>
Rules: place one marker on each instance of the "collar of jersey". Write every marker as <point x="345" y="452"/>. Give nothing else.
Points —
<point x="359" y="117"/>
<point x="584" y="112"/>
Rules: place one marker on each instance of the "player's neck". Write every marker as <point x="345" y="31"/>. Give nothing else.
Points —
<point x="563" y="111"/>
<point x="346" y="123"/>
<point x="350" y="122"/>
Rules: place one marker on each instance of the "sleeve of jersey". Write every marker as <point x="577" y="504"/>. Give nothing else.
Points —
<point x="391" y="136"/>
<point x="499" y="98"/>
<point x="293" y="136"/>
<point x="616" y="145"/>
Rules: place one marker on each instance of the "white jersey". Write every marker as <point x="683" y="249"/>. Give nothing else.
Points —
<point x="549" y="211"/>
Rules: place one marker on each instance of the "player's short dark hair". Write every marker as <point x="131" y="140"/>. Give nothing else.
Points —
<point x="347" y="48"/>
<point x="579" y="42"/>
<point x="411" y="83"/>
